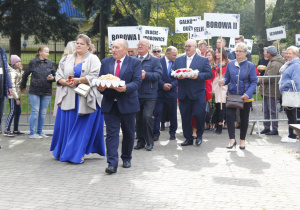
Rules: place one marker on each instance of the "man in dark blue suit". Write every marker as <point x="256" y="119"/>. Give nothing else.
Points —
<point x="151" y="74"/>
<point x="121" y="104"/>
<point x="191" y="92"/>
<point x="166" y="95"/>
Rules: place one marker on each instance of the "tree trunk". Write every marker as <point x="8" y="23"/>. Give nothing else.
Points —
<point x="102" y="34"/>
<point x="260" y="25"/>
<point x="276" y="12"/>
<point x="146" y="9"/>
<point x="15" y="43"/>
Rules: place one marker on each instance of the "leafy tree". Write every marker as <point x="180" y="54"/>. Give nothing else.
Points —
<point x="287" y="13"/>
<point x="108" y="12"/>
<point x="40" y="19"/>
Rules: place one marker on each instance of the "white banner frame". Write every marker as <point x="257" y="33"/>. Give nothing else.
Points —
<point x="185" y="24"/>
<point x="276" y="33"/>
<point x="297" y="37"/>
<point x="156" y="35"/>
<point x="221" y="24"/>
<point x="129" y="33"/>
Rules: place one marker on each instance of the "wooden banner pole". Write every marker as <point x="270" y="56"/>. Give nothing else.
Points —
<point x="220" y="66"/>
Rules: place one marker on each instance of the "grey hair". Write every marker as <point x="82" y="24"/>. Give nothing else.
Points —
<point x="123" y="42"/>
<point x="241" y="45"/>
<point x="69" y="48"/>
<point x="170" y="49"/>
<point x="148" y="42"/>
<point x="294" y="49"/>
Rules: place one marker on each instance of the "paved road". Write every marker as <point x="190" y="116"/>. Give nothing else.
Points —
<point x="264" y="176"/>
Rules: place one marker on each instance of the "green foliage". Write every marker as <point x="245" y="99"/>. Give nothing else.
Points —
<point x="38" y="18"/>
<point x="243" y="7"/>
<point x="290" y="18"/>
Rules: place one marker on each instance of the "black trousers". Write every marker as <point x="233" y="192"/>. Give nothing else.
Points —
<point x="244" y="115"/>
<point x="291" y="114"/>
<point x="189" y="108"/>
<point x="145" y="121"/>
<point x="220" y="112"/>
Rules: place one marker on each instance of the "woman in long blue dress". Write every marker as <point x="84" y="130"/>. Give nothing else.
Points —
<point x="79" y="124"/>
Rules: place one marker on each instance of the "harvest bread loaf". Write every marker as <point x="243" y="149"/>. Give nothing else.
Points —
<point x="184" y="73"/>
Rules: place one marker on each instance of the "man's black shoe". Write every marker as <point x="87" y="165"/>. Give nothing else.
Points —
<point x="186" y="143"/>
<point x="172" y="137"/>
<point x="139" y="146"/>
<point x="156" y="138"/>
<point x="149" y="147"/>
<point x="264" y="131"/>
<point x="126" y="164"/>
<point x="111" y="170"/>
<point x="198" y="142"/>
<point x="273" y="132"/>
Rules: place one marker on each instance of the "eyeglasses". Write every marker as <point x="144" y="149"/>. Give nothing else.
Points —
<point x="157" y="51"/>
<point x="238" y="51"/>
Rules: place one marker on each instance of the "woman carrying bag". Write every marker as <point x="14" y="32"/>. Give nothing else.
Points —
<point x="290" y="73"/>
<point x="241" y="79"/>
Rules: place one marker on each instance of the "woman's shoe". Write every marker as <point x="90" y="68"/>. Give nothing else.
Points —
<point x="219" y="129"/>
<point x="234" y="145"/>
<point x="242" y="147"/>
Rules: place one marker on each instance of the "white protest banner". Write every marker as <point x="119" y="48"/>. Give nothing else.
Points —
<point x="297" y="39"/>
<point x="225" y="25"/>
<point x="199" y="31"/>
<point x="185" y="24"/>
<point x="156" y="35"/>
<point x="231" y="44"/>
<point x="129" y="33"/>
<point x="276" y="33"/>
<point x="249" y="43"/>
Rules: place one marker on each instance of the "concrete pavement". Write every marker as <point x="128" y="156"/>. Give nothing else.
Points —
<point x="264" y="176"/>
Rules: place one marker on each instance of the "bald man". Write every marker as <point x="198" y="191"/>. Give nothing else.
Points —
<point x="191" y="92"/>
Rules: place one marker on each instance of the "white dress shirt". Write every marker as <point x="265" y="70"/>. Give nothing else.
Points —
<point x="189" y="60"/>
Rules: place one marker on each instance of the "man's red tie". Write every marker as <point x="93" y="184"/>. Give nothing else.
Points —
<point x="118" y="68"/>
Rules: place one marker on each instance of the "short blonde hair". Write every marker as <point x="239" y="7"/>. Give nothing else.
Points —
<point x="294" y="49"/>
<point x="241" y="45"/>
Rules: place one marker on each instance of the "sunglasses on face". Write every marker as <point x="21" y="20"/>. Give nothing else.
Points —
<point x="157" y="51"/>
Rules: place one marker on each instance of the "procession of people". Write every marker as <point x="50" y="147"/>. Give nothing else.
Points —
<point x="137" y="106"/>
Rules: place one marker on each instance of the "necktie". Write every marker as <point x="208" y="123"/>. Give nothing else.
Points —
<point x="141" y="58"/>
<point x="169" y="67"/>
<point x="118" y="68"/>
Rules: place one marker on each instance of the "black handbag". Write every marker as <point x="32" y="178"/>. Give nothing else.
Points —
<point x="235" y="100"/>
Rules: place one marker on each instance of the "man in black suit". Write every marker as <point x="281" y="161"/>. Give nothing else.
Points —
<point x="121" y="104"/>
<point x="167" y="95"/>
<point x="151" y="74"/>
<point x="191" y="92"/>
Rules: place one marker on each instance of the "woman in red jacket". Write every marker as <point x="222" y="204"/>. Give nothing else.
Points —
<point x="211" y="58"/>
